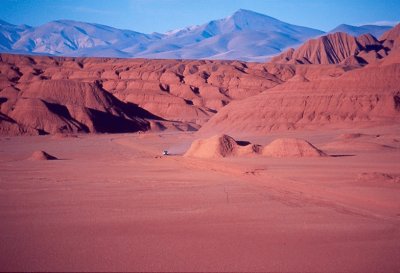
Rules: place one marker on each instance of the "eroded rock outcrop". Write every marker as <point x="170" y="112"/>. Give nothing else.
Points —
<point x="48" y="95"/>
<point x="220" y="146"/>
<point x="291" y="147"/>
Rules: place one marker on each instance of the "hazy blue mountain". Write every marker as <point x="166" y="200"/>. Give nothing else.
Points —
<point x="245" y="35"/>
<point x="376" y="31"/>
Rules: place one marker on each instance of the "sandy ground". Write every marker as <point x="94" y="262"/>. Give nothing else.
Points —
<point x="112" y="203"/>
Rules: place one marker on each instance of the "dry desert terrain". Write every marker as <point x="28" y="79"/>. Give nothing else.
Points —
<point x="112" y="202"/>
<point x="291" y="165"/>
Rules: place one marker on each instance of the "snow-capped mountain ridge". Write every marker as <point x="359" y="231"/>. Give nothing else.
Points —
<point x="245" y="35"/>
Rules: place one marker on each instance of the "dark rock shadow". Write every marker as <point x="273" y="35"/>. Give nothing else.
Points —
<point x="243" y="142"/>
<point x="105" y="122"/>
<point x="62" y="111"/>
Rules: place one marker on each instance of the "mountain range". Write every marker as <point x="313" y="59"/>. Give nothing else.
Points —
<point x="335" y="79"/>
<point x="245" y="35"/>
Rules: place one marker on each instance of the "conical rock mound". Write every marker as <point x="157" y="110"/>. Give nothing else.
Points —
<point x="42" y="155"/>
<point x="220" y="146"/>
<point x="291" y="147"/>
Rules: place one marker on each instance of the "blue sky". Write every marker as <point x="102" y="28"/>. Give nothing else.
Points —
<point x="162" y="15"/>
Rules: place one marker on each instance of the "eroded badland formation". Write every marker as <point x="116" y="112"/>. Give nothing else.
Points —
<point x="290" y="165"/>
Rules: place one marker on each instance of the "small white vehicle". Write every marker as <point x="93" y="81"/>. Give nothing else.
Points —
<point x="165" y="152"/>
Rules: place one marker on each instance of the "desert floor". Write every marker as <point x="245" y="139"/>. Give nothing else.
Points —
<point x="113" y="203"/>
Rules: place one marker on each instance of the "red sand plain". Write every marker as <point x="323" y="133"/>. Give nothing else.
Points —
<point x="113" y="203"/>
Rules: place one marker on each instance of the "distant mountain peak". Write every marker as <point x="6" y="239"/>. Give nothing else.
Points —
<point x="245" y="35"/>
<point x="359" y="30"/>
<point x="65" y="21"/>
<point x="4" y="23"/>
<point x="244" y="14"/>
<point x="344" y="25"/>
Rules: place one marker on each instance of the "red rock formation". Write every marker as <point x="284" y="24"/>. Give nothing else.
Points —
<point x="391" y="35"/>
<point x="221" y="146"/>
<point x="50" y="95"/>
<point x="42" y="155"/>
<point x="334" y="49"/>
<point x="362" y="96"/>
<point x="368" y="42"/>
<point x="330" y="49"/>
<point x="291" y="147"/>
<point x="322" y="83"/>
